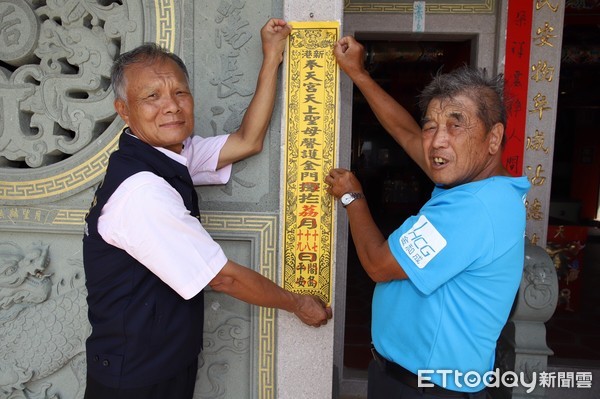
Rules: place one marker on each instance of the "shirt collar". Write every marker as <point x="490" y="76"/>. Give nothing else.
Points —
<point x="173" y="155"/>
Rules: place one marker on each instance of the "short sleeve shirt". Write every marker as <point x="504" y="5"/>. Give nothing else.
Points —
<point x="463" y="255"/>
<point x="162" y="234"/>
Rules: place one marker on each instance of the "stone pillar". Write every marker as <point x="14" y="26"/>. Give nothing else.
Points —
<point x="522" y="345"/>
<point x="305" y="355"/>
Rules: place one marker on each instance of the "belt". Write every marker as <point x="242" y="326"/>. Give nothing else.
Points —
<point x="408" y="378"/>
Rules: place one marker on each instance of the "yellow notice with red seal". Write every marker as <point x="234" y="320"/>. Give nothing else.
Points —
<point x="310" y="144"/>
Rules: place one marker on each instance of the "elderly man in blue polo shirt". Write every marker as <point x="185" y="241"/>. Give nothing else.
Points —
<point x="447" y="277"/>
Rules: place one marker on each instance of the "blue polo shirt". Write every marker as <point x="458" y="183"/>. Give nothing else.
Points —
<point x="463" y="253"/>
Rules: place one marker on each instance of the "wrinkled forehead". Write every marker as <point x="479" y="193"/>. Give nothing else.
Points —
<point x="153" y="65"/>
<point x="459" y="106"/>
<point x="153" y="72"/>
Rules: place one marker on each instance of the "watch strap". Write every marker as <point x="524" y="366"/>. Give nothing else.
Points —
<point x="353" y="196"/>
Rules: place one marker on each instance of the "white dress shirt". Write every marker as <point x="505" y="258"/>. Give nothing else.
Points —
<point x="147" y="218"/>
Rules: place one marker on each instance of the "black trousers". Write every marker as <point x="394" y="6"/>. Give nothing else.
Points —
<point x="179" y="387"/>
<point x="382" y="385"/>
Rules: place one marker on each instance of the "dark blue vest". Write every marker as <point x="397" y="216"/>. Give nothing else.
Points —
<point x="142" y="331"/>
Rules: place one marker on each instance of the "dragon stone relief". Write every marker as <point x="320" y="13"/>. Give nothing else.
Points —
<point x="55" y="100"/>
<point x="55" y="76"/>
<point x="43" y="326"/>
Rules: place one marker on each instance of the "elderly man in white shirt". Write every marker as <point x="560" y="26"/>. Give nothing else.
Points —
<point x="147" y="257"/>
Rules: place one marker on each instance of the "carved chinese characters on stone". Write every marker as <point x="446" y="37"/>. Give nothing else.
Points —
<point x="232" y="34"/>
<point x="534" y="209"/>
<point x="54" y="77"/>
<point x="536" y="142"/>
<point x="544" y="68"/>
<point x="553" y="6"/>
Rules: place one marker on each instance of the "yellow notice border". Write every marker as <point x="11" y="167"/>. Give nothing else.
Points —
<point x="311" y="104"/>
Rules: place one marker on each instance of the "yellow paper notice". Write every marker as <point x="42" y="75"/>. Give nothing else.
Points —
<point x="310" y="143"/>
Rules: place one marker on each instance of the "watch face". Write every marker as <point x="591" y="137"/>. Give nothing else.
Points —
<point x="346" y="199"/>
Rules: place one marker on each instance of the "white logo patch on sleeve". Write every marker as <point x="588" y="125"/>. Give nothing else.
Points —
<point x="422" y="242"/>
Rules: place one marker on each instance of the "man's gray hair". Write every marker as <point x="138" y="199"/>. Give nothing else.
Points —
<point x="146" y="53"/>
<point x="487" y="92"/>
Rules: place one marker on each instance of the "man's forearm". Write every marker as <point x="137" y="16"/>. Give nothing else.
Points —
<point x="366" y="235"/>
<point x="258" y="115"/>
<point x="371" y="246"/>
<point x="249" y="138"/>
<point x="251" y="287"/>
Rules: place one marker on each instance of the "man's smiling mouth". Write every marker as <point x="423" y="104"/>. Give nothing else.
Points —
<point x="439" y="161"/>
<point x="174" y="123"/>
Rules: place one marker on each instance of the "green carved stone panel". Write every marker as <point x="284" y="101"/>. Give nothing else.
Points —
<point x="57" y="130"/>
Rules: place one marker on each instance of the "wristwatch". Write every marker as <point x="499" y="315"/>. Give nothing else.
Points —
<point x="347" y="198"/>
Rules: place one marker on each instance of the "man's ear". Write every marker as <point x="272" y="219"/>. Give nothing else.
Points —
<point x="122" y="110"/>
<point x="495" y="137"/>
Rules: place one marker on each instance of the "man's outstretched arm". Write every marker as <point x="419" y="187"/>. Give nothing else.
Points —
<point x="251" y="287"/>
<point x="395" y="119"/>
<point x="249" y="138"/>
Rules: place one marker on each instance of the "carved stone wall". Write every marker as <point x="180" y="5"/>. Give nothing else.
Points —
<point x="56" y="108"/>
<point x="57" y="130"/>
<point x="57" y="114"/>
